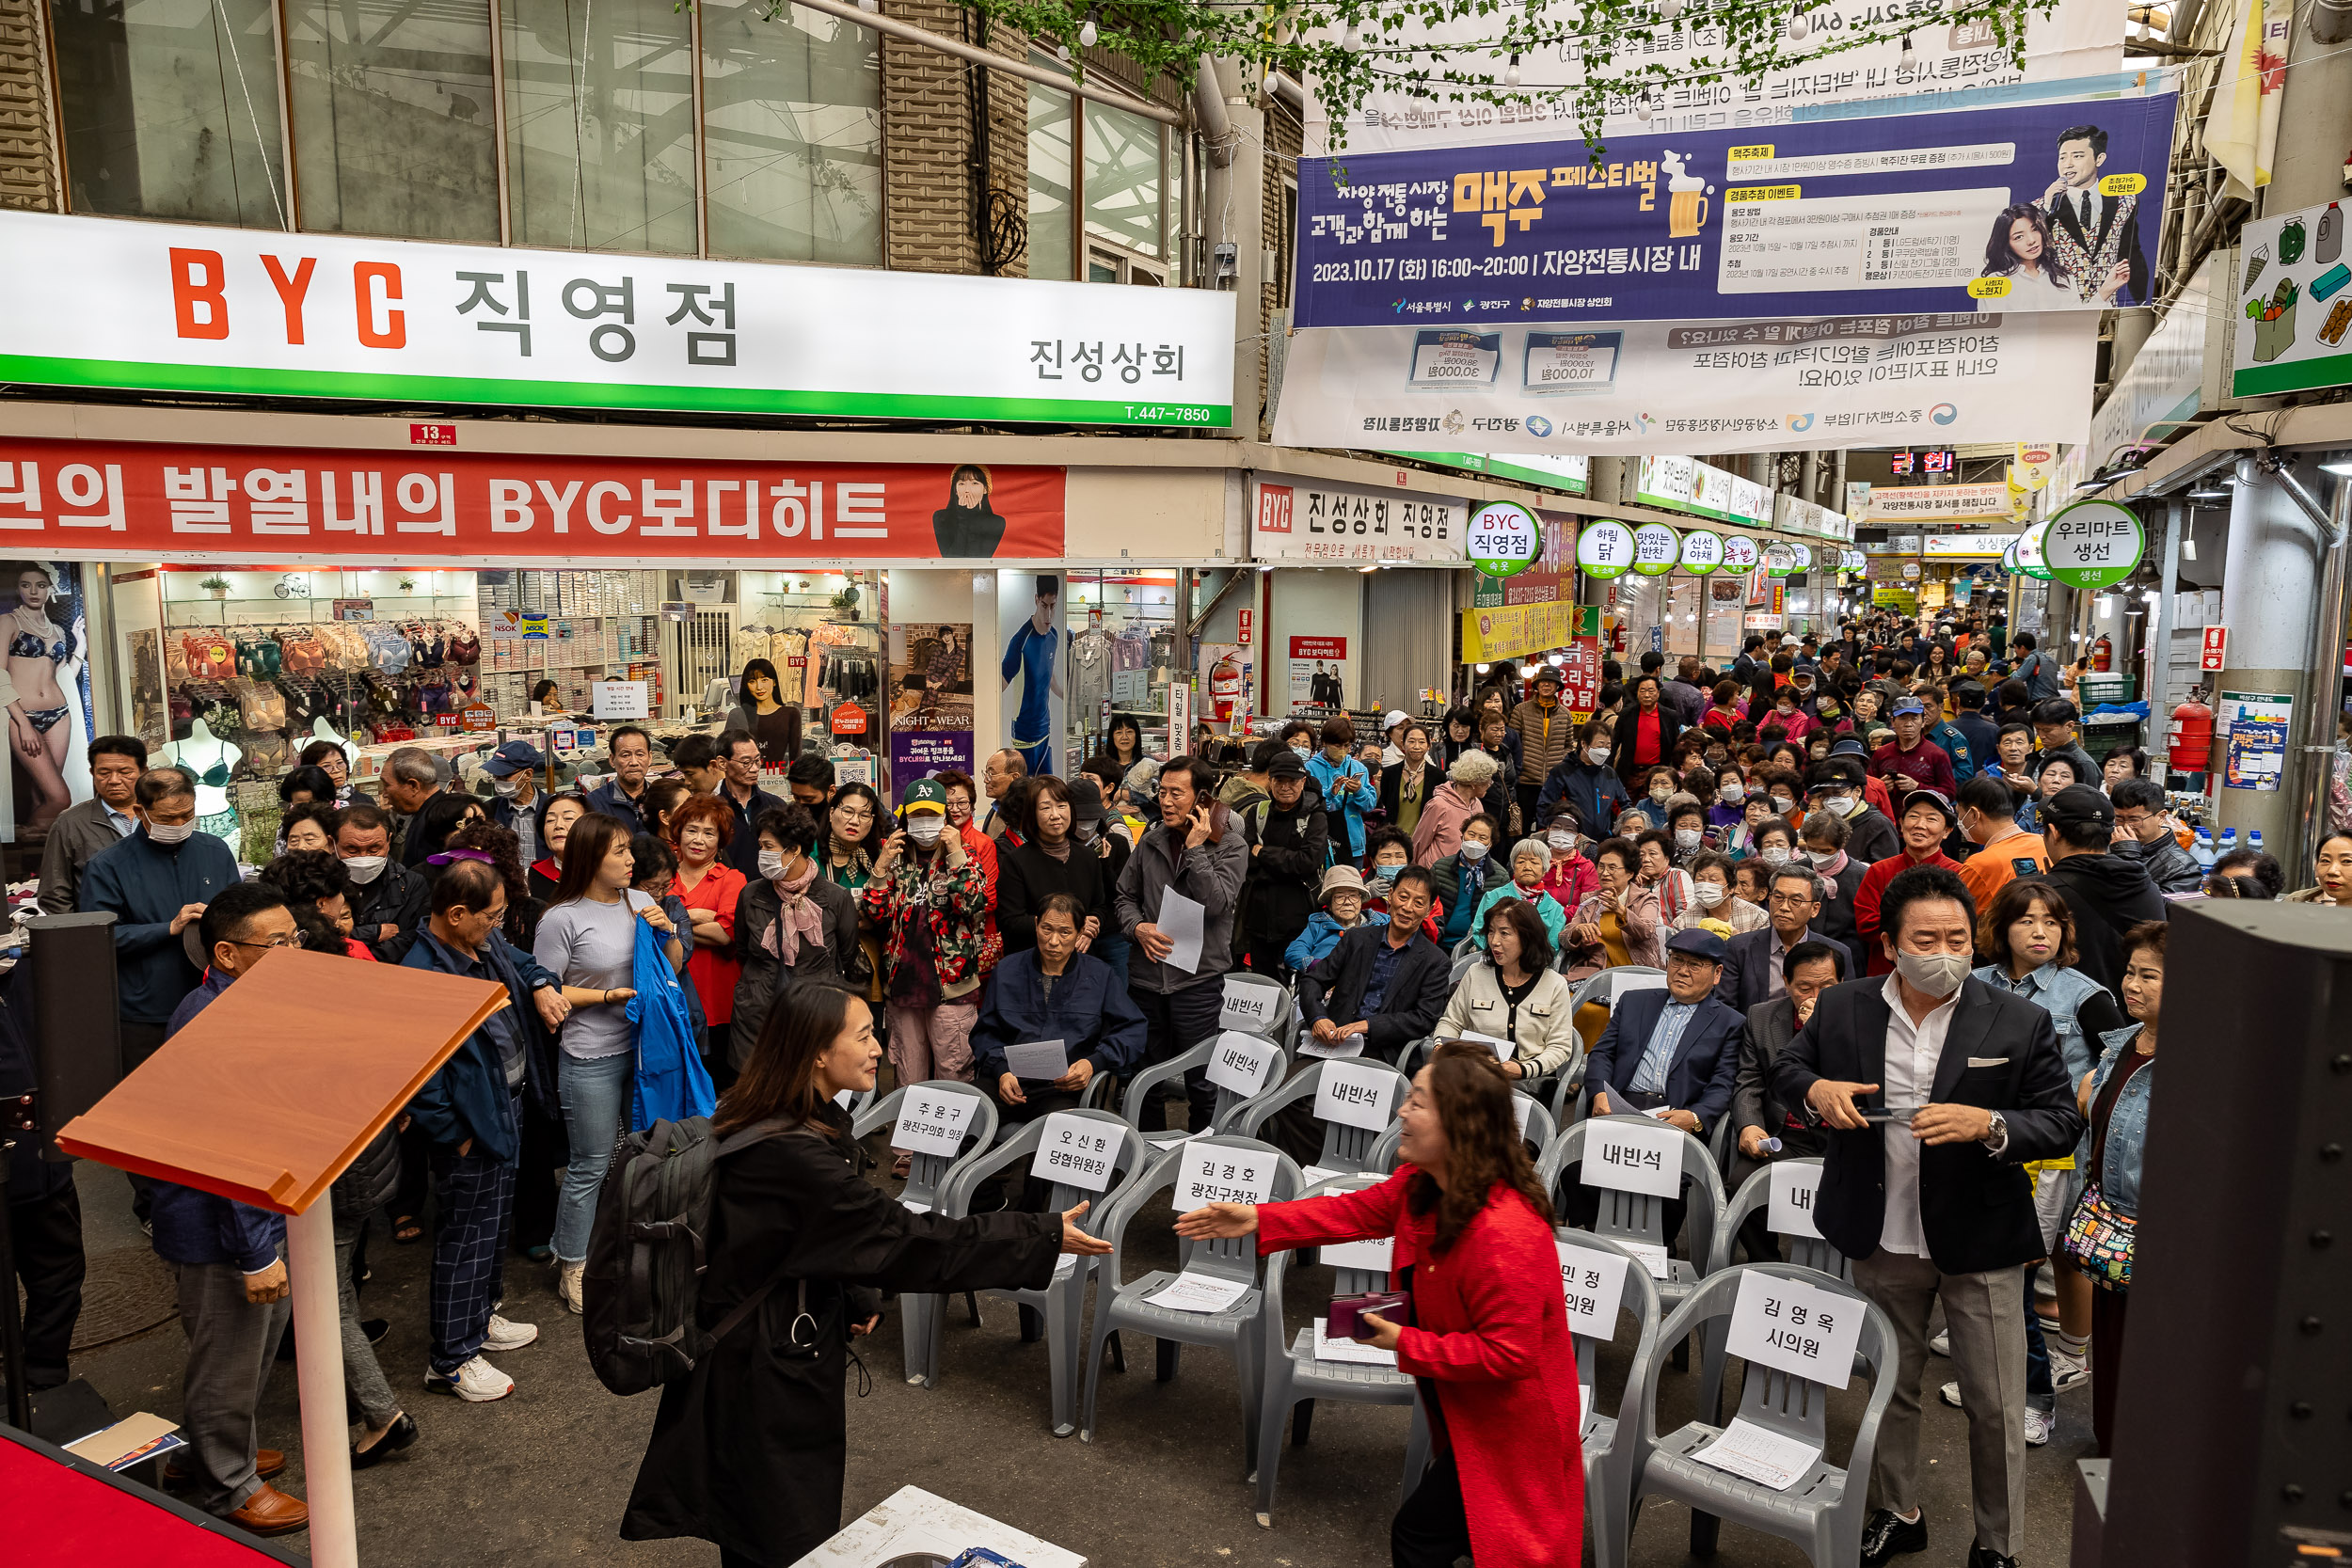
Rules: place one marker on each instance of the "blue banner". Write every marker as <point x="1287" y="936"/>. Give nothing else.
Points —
<point x="2026" y="208"/>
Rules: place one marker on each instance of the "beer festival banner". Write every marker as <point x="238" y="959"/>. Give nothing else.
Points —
<point x="2031" y="207"/>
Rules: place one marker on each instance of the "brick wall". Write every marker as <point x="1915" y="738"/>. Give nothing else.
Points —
<point x="930" y="183"/>
<point x="26" y="177"/>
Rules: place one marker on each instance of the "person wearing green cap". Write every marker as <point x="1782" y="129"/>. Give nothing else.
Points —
<point x="929" y="895"/>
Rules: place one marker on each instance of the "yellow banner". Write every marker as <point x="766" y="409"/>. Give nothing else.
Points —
<point x="1518" y="630"/>
<point x="2033" y="465"/>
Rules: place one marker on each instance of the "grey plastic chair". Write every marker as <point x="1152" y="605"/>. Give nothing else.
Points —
<point x="1540" y="1134"/>
<point x="1465" y="962"/>
<point x="1467" y="948"/>
<point x="1062" y="1302"/>
<point x="1804" y="1251"/>
<point x="1235" y="1330"/>
<point x="1139" y="1088"/>
<point x="1609" y="1449"/>
<point x="1283" y="1025"/>
<point x="1344" y="1147"/>
<point x="1603" y="985"/>
<point x="1824" y="1513"/>
<point x="1638" y="1217"/>
<point x="1295" y="1379"/>
<point x="928" y="1176"/>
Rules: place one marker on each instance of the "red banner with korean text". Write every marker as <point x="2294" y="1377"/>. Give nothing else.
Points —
<point x="119" y="500"/>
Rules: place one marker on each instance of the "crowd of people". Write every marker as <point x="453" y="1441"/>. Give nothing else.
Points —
<point x="1840" y="852"/>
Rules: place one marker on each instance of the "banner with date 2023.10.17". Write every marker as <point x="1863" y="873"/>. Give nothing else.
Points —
<point x="1637" y="387"/>
<point x="2033" y="207"/>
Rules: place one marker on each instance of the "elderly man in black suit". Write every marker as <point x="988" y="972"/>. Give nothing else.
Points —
<point x="1936" y="1090"/>
<point x="1754" y="963"/>
<point x="1387" y="984"/>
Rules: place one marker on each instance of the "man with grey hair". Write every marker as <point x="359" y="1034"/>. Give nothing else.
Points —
<point x="411" y="776"/>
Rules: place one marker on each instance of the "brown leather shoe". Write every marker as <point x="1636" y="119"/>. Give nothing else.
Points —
<point x="266" y="1463"/>
<point x="270" y="1512"/>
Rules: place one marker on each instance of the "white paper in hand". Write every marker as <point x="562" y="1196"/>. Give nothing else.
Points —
<point x="1182" y="922"/>
<point x="1248" y="1006"/>
<point x="1769" y="1458"/>
<point x="1503" y="1050"/>
<point x="1037" y="1059"/>
<point x="1522" y="1106"/>
<point x="1345" y="1047"/>
<point x="1242" y="1062"/>
<point x="1199" y="1292"/>
<point x="932" y="1121"/>
<point x="1795" y="1327"/>
<point x="1076" y="1149"/>
<point x="1219" y="1173"/>
<point x="1633" y="1157"/>
<point x="1594" y="1283"/>
<point x="1356" y="1094"/>
<point x="1794" y="1187"/>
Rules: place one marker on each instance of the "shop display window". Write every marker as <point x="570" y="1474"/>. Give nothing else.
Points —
<point x="1122" y="642"/>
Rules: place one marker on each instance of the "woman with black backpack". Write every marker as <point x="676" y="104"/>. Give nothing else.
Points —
<point x="794" y="1222"/>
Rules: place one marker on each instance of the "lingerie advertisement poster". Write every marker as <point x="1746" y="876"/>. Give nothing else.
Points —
<point x="930" y="701"/>
<point x="47" y="696"/>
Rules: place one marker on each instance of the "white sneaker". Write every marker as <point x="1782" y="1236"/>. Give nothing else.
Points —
<point x="567" y="1281"/>
<point x="2067" y="1371"/>
<point x="1951" y="1395"/>
<point x="504" y="1336"/>
<point x="477" y="1382"/>
<point x="2039" y="1427"/>
<point x="1942" y="1345"/>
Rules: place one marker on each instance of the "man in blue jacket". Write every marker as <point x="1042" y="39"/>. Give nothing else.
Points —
<point x="157" y="883"/>
<point x="1586" y="786"/>
<point x="229" y="1259"/>
<point x="1054" y="993"/>
<point x="1672" y="1053"/>
<point x="471" y="1113"/>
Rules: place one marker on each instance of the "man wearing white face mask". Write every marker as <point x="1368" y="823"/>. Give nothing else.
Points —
<point x="1834" y="785"/>
<point x="387" y="900"/>
<point x="513" y="770"/>
<point x="1935" y="1088"/>
<point x="1585" y="786"/>
<point x="156" y="882"/>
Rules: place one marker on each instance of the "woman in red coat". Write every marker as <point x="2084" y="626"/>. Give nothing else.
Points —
<point x="1489" y="1341"/>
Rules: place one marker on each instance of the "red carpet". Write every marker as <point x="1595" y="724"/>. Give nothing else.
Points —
<point x="59" y="1514"/>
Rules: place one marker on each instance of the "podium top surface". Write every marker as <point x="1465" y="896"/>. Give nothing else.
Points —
<point x="272" y="1090"/>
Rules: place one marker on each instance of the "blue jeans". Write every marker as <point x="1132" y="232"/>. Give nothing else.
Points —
<point x="2041" y="1393"/>
<point x="1113" y="950"/>
<point x="595" y="1095"/>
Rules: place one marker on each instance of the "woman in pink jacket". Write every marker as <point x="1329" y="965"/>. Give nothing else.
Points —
<point x="1451" y="803"/>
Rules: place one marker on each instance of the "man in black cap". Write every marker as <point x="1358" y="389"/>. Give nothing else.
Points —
<point x="1911" y="761"/>
<point x="1289" y="838"/>
<point x="1834" y="785"/>
<point x="2108" y="893"/>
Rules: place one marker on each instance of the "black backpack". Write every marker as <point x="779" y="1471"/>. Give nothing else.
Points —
<point x="645" y="1259"/>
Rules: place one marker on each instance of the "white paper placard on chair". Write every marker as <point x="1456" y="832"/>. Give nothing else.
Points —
<point x="1633" y="1157"/>
<point x="1794" y="1187"/>
<point x="1219" y="1173"/>
<point x="1795" y="1327"/>
<point x="932" y="1121"/>
<point x="1077" y="1149"/>
<point x="1760" y="1454"/>
<point x="1625" y="985"/>
<point x="1594" y="1283"/>
<point x="1242" y="1062"/>
<point x="1248" y="1006"/>
<point x="1378" y="1256"/>
<point x="1356" y="1094"/>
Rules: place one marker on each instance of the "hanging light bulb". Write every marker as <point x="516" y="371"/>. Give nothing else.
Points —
<point x="1670" y="8"/>
<point x="1641" y="109"/>
<point x="1087" y="31"/>
<point x="1511" y="72"/>
<point x="1348" y="41"/>
<point x="869" y="7"/>
<point x="1061" y="51"/>
<point x="1797" y="28"/>
<point x="1909" y="55"/>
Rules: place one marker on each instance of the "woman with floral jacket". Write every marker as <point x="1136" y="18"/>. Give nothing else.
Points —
<point x="929" y="899"/>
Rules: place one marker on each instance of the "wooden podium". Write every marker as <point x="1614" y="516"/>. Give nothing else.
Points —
<point x="265" y="1098"/>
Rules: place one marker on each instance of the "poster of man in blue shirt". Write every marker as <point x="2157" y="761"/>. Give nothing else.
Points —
<point x="1031" y="659"/>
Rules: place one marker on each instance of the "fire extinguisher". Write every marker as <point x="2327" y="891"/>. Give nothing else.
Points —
<point x="1225" y="687"/>
<point x="2103" y="655"/>
<point x="2191" y="745"/>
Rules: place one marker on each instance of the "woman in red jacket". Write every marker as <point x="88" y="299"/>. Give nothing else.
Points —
<point x="1489" y="1341"/>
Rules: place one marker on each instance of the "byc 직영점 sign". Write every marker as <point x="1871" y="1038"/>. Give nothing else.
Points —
<point x="179" y="308"/>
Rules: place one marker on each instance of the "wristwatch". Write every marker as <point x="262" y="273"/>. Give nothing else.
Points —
<point x="1997" y="1141"/>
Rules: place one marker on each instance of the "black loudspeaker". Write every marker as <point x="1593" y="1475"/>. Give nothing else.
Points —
<point x="76" y="1027"/>
<point x="2233" y="1414"/>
